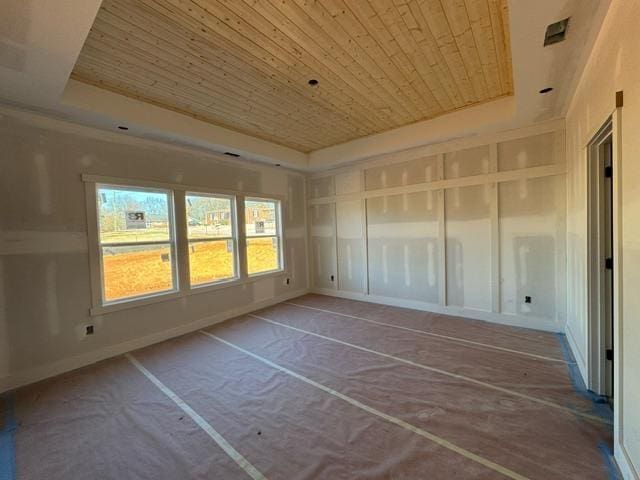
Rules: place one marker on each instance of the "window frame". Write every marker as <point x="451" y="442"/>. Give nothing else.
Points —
<point x="234" y="239"/>
<point x="279" y="236"/>
<point x="181" y="252"/>
<point x="171" y="242"/>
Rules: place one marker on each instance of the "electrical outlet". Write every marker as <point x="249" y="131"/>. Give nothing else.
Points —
<point x="88" y="330"/>
<point x="527" y="299"/>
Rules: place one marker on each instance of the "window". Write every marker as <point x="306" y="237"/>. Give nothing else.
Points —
<point x="211" y="233"/>
<point x="144" y="250"/>
<point x="263" y="235"/>
<point x="137" y="242"/>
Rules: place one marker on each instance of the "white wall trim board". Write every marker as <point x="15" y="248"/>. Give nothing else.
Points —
<point x="543" y="324"/>
<point x="25" y="377"/>
<point x="577" y="353"/>
<point x="506" y="176"/>
<point x="623" y="459"/>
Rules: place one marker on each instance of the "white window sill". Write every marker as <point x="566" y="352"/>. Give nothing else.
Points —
<point x="174" y="295"/>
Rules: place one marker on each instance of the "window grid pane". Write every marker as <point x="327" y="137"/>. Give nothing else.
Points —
<point x="263" y="255"/>
<point x="263" y="235"/>
<point x="211" y="261"/>
<point x="209" y="216"/>
<point x="211" y="234"/>
<point x="136" y="242"/>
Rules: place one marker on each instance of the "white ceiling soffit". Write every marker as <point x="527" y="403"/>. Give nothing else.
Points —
<point x="40" y="41"/>
<point x="152" y="122"/>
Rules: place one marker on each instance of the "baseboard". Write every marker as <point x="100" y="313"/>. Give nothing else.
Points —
<point x="627" y="469"/>
<point x="522" y="321"/>
<point x="577" y="354"/>
<point x="33" y="375"/>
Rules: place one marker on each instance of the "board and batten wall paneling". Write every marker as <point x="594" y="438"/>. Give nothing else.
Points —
<point x="469" y="229"/>
<point x="322" y="226"/>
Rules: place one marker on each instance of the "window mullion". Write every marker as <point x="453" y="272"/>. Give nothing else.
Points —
<point x="181" y="240"/>
<point x="242" y="237"/>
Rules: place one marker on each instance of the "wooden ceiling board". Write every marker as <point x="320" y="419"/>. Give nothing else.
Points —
<point x="245" y="64"/>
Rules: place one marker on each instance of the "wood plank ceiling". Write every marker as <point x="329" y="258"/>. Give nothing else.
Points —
<point x="246" y="64"/>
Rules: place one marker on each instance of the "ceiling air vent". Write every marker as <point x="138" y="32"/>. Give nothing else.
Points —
<point x="556" y="32"/>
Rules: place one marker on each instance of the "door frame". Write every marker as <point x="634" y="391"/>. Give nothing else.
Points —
<point x="596" y="253"/>
<point x="595" y="362"/>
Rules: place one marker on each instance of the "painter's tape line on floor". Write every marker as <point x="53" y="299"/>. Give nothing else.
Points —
<point x="598" y="402"/>
<point x="7" y="434"/>
<point x="431" y="334"/>
<point x="252" y="471"/>
<point x="443" y="372"/>
<point x="396" y="421"/>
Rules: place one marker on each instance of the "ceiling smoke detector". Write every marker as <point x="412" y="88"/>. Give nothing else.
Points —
<point x="556" y="32"/>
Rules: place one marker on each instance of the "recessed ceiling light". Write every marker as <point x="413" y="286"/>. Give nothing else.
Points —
<point x="122" y="127"/>
<point x="546" y="90"/>
<point x="313" y="82"/>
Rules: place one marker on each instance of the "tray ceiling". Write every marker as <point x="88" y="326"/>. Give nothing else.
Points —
<point x="246" y="65"/>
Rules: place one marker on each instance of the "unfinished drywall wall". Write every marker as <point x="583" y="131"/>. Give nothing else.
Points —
<point x="614" y="65"/>
<point x="449" y="231"/>
<point x="45" y="292"/>
<point x="323" y="249"/>
<point x="403" y="246"/>
<point x="532" y="237"/>
<point x="468" y="246"/>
